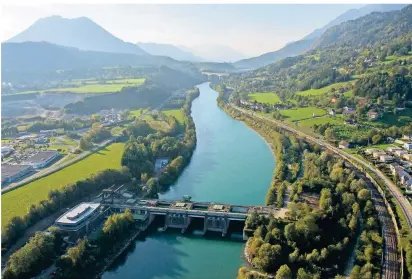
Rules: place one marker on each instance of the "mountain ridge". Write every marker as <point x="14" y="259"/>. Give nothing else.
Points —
<point x="82" y="33"/>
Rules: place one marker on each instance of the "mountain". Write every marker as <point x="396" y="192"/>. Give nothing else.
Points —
<point x="169" y="50"/>
<point x="367" y="31"/>
<point x="299" y="47"/>
<point x="81" y="33"/>
<point x="290" y="49"/>
<point x="354" y="14"/>
<point x="215" y="53"/>
<point x="42" y="56"/>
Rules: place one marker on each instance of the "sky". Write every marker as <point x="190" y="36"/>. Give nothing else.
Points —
<point x="248" y="29"/>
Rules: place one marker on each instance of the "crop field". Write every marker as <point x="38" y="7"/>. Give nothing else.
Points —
<point x="265" y="97"/>
<point x="319" y="121"/>
<point x="17" y="202"/>
<point x="93" y="87"/>
<point x="301" y="113"/>
<point x="177" y="113"/>
<point x="323" y="90"/>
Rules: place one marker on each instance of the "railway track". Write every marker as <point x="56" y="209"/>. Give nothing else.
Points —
<point x="390" y="261"/>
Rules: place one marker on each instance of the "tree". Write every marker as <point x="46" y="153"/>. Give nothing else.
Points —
<point x="330" y="134"/>
<point x="376" y="138"/>
<point x="325" y="202"/>
<point x="284" y="272"/>
<point x="364" y="195"/>
<point x="84" y="144"/>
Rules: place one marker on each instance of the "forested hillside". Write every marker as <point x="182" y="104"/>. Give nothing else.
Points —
<point x="343" y="52"/>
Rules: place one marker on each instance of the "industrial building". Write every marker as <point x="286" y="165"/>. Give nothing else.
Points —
<point x="81" y="219"/>
<point x="41" y="159"/>
<point x="12" y="173"/>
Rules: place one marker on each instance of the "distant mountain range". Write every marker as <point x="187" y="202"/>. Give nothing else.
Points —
<point x="215" y="53"/>
<point x="172" y="51"/>
<point x="307" y="42"/>
<point x="81" y="33"/>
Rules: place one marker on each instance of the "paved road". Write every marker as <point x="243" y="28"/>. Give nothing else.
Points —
<point x="390" y="266"/>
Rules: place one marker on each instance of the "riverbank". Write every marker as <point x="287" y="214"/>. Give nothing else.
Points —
<point x="230" y="164"/>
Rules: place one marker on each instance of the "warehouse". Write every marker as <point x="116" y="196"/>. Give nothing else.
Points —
<point x="12" y="173"/>
<point x="41" y="159"/>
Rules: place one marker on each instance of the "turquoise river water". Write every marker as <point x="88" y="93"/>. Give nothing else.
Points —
<point x="231" y="164"/>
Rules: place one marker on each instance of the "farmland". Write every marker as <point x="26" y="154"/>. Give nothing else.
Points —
<point x="323" y="90"/>
<point x="301" y="113"/>
<point x="321" y="120"/>
<point x="17" y="202"/>
<point x="92" y="86"/>
<point x="265" y="97"/>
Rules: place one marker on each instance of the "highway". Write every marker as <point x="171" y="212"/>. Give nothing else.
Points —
<point x="390" y="261"/>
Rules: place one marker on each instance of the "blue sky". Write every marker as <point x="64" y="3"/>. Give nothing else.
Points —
<point x="249" y="29"/>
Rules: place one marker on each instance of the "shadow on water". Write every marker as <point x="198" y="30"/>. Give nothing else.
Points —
<point x="155" y="249"/>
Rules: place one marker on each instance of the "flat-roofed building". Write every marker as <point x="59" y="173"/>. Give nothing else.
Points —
<point x="80" y="219"/>
<point x="41" y="159"/>
<point x="12" y="173"/>
<point x="378" y="153"/>
<point x="386" y="158"/>
<point x="407" y="157"/>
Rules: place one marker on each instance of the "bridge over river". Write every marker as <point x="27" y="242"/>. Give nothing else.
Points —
<point x="180" y="213"/>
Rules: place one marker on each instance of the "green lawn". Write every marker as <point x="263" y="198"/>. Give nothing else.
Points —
<point x="265" y="97"/>
<point x="177" y="113"/>
<point x="94" y="87"/>
<point x="320" y="120"/>
<point x="17" y="202"/>
<point x="323" y="90"/>
<point x="301" y="113"/>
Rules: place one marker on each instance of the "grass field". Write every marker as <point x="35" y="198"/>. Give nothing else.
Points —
<point x="17" y="202"/>
<point x="265" y="97"/>
<point x="301" y="113"/>
<point x="92" y="86"/>
<point x="177" y="113"/>
<point x="323" y="90"/>
<point x="135" y="113"/>
<point x="319" y="121"/>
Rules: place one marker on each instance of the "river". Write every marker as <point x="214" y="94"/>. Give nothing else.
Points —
<point x="231" y="164"/>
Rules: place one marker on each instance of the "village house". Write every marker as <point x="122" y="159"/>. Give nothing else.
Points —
<point x="407" y="145"/>
<point x="377" y="154"/>
<point x="407" y="137"/>
<point x="407" y="157"/>
<point x="386" y="158"/>
<point x="393" y="148"/>
<point x="332" y="112"/>
<point x="344" y="144"/>
<point x="400" y="153"/>
<point x="348" y="110"/>
<point x="373" y="115"/>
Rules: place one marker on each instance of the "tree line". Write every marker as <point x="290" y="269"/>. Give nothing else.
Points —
<point x="58" y="199"/>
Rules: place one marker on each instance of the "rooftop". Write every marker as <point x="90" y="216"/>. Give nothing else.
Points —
<point x="78" y="213"/>
<point x="42" y="156"/>
<point x="10" y="170"/>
